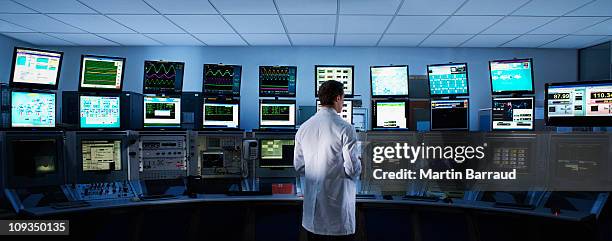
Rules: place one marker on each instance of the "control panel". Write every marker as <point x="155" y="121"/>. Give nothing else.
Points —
<point x="102" y="191"/>
<point x="162" y="157"/>
<point x="220" y="155"/>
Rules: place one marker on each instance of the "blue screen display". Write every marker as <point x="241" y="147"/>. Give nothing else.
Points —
<point x="511" y="76"/>
<point x="100" y="112"/>
<point x="448" y="79"/>
<point x="32" y="109"/>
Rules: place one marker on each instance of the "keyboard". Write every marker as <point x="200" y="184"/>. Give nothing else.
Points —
<point x="156" y="197"/>
<point x="67" y="205"/>
<point x="514" y="206"/>
<point x="420" y="198"/>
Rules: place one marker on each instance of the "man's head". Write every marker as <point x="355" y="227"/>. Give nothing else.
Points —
<point x="331" y="94"/>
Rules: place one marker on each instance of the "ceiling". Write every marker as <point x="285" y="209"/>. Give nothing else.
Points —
<point x="412" y="23"/>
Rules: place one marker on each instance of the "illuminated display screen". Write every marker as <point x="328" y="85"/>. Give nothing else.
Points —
<point x="221" y="115"/>
<point x="98" y="72"/>
<point x="448" y="79"/>
<point x="450" y="115"/>
<point x="222" y="80"/>
<point x="30" y="109"/>
<point x="162" y="112"/>
<point x="33" y="67"/>
<point x="347" y="110"/>
<point x="279" y="113"/>
<point x="579" y="104"/>
<point x="511" y="76"/>
<point x="390" y="115"/>
<point x="342" y="74"/>
<point x="276" y="153"/>
<point x="101" y="155"/>
<point x="100" y="112"/>
<point x="163" y="77"/>
<point x="389" y="80"/>
<point x="277" y="81"/>
<point x="513" y="113"/>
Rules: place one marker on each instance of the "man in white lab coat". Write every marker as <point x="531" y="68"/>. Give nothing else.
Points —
<point x="327" y="156"/>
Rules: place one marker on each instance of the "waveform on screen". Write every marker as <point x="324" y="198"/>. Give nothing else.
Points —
<point x="163" y="71"/>
<point x="220" y="73"/>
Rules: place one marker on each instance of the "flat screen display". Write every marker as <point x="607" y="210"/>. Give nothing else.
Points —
<point x="342" y="74"/>
<point x="513" y="113"/>
<point x="222" y="80"/>
<point x="389" y="81"/>
<point x="162" y="112"/>
<point x="390" y="115"/>
<point x="448" y="79"/>
<point x="32" y="109"/>
<point x="100" y="72"/>
<point x="163" y="77"/>
<point x="276" y="153"/>
<point x="277" y="81"/>
<point x="101" y="155"/>
<point x="579" y="103"/>
<point x="277" y="113"/>
<point x="36" y="68"/>
<point x="511" y="76"/>
<point x="34" y="157"/>
<point x="450" y="115"/>
<point x="100" y="112"/>
<point x="221" y="114"/>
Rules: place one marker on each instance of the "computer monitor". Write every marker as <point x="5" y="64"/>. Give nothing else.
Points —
<point x="511" y="76"/>
<point x="162" y="112"/>
<point x="32" y="109"/>
<point x="163" y="77"/>
<point x="579" y="103"/>
<point x="35" y="68"/>
<point x="222" y="80"/>
<point x="277" y="81"/>
<point x="389" y="81"/>
<point x="347" y="110"/>
<point x="100" y="111"/>
<point x="276" y="153"/>
<point x="101" y="155"/>
<point x="390" y="115"/>
<point x="34" y="157"/>
<point x="277" y="114"/>
<point x="448" y="79"/>
<point x="512" y="113"/>
<point x="101" y="73"/>
<point x="344" y="74"/>
<point x="221" y="114"/>
<point x="450" y="114"/>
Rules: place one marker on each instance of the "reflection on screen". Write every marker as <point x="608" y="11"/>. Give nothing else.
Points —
<point x="512" y="114"/>
<point x="342" y="74"/>
<point x="389" y="81"/>
<point x="390" y="114"/>
<point x="101" y="155"/>
<point x="276" y="153"/>
<point x="36" y="67"/>
<point x="32" y="109"/>
<point x="162" y="112"/>
<point x="100" y="112"/>
<point x="221" y="115"/>
<point x="511" y="75"/>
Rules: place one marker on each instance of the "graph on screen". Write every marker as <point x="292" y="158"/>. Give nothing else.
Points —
<point x="389" y="80"/>
<point x="222" y="80"/>
<point x="163" y="76"/>
<point x="99" y="72"/>
<point x="277" y="81"/>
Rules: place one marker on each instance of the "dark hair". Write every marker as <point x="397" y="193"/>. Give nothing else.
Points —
<point x="329" y="90"/>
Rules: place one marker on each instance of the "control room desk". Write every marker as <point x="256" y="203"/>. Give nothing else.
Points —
<point x="278" y="217"/>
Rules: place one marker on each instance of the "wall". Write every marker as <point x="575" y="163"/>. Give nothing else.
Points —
<point x="550" y="65"/>
<point x="7" y="46"/>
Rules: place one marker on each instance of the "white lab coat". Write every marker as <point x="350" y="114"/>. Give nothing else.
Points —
<point x="327" y="156"/>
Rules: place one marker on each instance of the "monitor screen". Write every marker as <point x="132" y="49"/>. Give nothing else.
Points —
<point x="511" y="76"/>
<point x="389" y="81"/>
<point x="512" y="113"/>
<point x="579" y="104"/>
<point x="347" y="110"/>
<point x="163" y="77"/>
<point x="36" y="68"/>
<point x="99" y="72"/>
<point x="448" y="79"/>
<point x="101" y="155"/>
<point x="100" y="111"/>
<point x="342" y="74"/>
<point x="34" y="157"/>
<point x="32" y="109"/>
<point x="222" y="114"/>
<point x="390" y="114"/>
<point x="162" y="112"/>
<point x="450" y="115"/>
<point x="277" y="81"/>
<point x="277" y="113"/>
<point x="276" y="153"/>
<point x="222" y="80"/>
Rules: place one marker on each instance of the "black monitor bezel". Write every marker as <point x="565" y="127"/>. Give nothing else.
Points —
<point x="513" y="91"/>
<point x="449" y="129"/>
<point x="575" y="121"/>
<point x="144" y="78"/>
<point x="272" y="95"/>
<point x="259" y="146"/>
<point x="467" y="80"/>
<point x="509" y="97"/>
<point x="81" y="88"/>
<point x="352" y="67"/>
<point x="14" y="84"/>
<point x="272" y="101"/>
<point x="144" y="111"/>
<point x="32" y="127"/>
<point x="374" y="116"/>
<point x="391" y="96"/>
<point x="219" y="101"/>
<point x="121" y="114"/>
<point x="216" y="95"/>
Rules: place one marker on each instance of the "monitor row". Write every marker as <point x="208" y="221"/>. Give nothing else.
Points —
<point x="33" y="68"/>
<point x="566" y="104"/>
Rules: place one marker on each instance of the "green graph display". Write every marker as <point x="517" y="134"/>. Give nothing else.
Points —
<point x="100" y="73"/>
